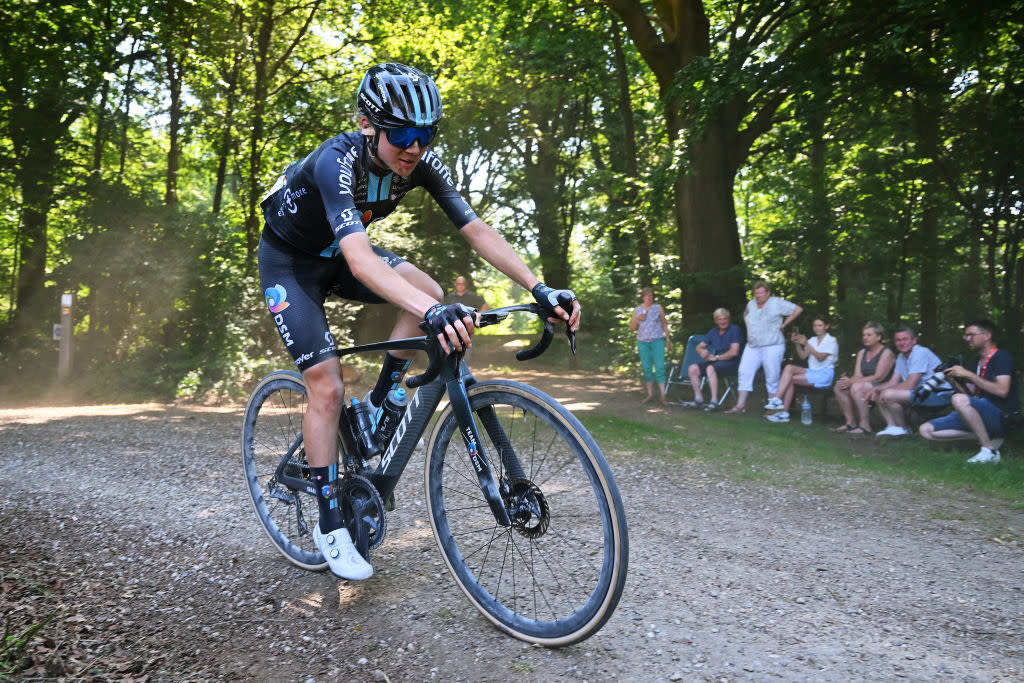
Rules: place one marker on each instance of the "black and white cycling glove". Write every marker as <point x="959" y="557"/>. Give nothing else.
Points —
<point x="439" y="316"/>
<point x="550" y="298"/>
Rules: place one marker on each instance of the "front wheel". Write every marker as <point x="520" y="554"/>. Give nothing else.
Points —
<point x="271" y="433"/>
<point x="554" y="576"/>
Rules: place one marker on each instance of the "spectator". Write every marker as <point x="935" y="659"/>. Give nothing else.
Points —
<point x="766" y="318"/>
<point x="914" y="364"/>
<point x="720" y="355"/>
<point x="991" y="392"/>
<point x="873" y="367"/>
<point x="466" y="297"/>
<point x="821" y="353"/>
<point x="648" y="321"/>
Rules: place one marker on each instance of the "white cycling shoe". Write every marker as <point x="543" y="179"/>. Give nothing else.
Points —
<point x="341" y="554"/>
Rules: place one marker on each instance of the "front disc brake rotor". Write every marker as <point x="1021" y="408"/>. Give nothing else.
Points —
<point x="528" y="508"/>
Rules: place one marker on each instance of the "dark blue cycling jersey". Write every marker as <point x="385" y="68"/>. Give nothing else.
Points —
<point x="338" y="190"/>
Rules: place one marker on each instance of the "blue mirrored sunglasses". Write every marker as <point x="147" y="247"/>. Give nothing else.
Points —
<point x="404" y="137"/>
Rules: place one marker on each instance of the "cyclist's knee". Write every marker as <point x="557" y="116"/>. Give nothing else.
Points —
<point x="324" y="384"/>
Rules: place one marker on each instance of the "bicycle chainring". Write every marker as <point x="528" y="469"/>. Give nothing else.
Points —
<point x="363" y="512"/>
<point x="527" y="508"/>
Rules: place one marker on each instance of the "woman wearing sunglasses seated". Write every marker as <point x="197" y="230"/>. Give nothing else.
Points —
<point x="316" y="242"/>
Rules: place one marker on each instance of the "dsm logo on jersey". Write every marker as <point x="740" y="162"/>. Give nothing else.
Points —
<point x="276" y="296"/>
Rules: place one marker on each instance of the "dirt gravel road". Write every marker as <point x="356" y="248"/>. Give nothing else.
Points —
<point x="132" y="527"/>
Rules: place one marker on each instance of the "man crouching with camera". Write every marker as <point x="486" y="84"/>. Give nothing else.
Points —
<point x="989" y="394"/>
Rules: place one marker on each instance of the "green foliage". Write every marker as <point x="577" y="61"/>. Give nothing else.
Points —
<point x="871" y="152"/>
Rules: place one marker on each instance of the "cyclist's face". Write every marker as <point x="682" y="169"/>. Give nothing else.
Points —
<point x="400" y="161"/>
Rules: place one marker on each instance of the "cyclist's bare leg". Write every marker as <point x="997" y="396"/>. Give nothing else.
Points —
<point x="407" y="324"/>
<point x="325" y="396"/>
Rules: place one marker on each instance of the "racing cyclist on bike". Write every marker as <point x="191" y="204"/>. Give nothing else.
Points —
<point x="315" y="243"/>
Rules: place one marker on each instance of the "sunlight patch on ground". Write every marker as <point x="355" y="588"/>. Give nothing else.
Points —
<point x="580" y="406"/>
<point x="305" y="605"/>
<point x="43" y="414"/>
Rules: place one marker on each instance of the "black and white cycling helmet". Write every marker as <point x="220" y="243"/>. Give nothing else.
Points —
<point x="395" y="95"/>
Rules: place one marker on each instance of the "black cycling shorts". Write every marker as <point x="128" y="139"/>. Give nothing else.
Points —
<point x="296" y="284"/>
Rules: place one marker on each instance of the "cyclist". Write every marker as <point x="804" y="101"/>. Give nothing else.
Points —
<point x="315" y="243"/>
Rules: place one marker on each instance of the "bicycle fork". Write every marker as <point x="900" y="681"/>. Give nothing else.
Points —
<point x="471" y="437"/>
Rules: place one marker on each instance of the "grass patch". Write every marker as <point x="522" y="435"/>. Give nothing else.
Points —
<point x="750" y="449"/>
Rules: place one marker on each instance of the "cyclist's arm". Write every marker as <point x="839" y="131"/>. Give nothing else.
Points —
<point x="487" y="242"/>
<point x="367" y="267"/>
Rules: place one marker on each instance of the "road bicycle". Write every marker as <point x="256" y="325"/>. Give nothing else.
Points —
<point x="523" y="504"/>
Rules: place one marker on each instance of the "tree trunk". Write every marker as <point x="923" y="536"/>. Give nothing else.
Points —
<point x="707" y="234"/>
<point x="261" y="88"/>
<point x="819" y="229"/>
<point x="541" y="185"/>
<point x="927" y="125"/>
<point x="100" y="135"/>
<point x="34" y="180"/>
<point x="174" y="78"/>
<point x="126" y="103"/>
<point x="226" y="145"/>
<point x="622" y="196"/>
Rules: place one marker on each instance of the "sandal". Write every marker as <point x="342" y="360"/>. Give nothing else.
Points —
<point x="842" y="429"/>
<point x="859" y="431"/>
<point x="735" y="411"/>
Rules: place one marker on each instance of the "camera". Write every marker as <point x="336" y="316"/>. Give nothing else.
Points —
<point x="937" y="381"/>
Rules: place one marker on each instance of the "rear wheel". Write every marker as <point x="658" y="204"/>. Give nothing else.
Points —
<point x="272" y="431"/>
<point x="556" y="575"/>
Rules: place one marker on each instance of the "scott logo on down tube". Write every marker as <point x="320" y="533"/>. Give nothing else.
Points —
<point x="399" y="432"/>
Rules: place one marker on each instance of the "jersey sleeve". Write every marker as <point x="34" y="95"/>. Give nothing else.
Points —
<point x="335" y="177"/>
<point x="437" y="180"/>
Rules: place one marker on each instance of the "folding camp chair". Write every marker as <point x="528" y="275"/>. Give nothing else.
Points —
<point x="678" y="373"/>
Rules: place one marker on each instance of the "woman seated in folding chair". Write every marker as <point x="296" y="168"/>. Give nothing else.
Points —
<point x="720" y="356"/>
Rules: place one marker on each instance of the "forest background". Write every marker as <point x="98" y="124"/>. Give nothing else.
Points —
<point x="863" y="157"/>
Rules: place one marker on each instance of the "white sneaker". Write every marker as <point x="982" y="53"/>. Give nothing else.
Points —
<point x="985" y="455"/>
<point x="778" y="417"/>
<point x="893" y="430"/>
<point x="774" y="403"/>
<point x="341" y="554"/>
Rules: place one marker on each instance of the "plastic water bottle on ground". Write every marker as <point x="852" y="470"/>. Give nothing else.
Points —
<point x="805" y="411"/>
